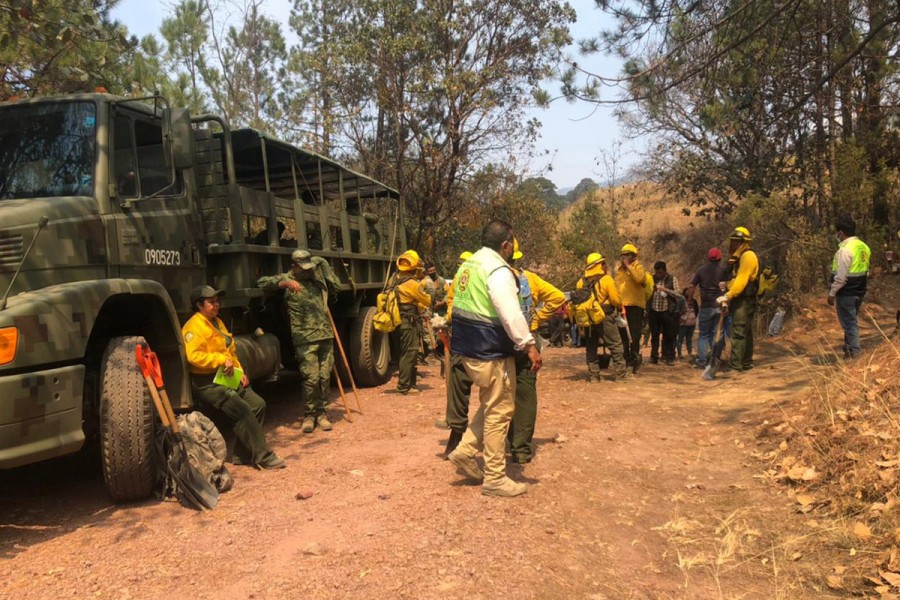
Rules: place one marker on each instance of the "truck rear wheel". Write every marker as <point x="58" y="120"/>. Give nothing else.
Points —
<point x="370" y="350"/>
<point x="126" y="424"/>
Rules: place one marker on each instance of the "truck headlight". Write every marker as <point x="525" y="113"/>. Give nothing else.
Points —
<point x="9" y="340"/>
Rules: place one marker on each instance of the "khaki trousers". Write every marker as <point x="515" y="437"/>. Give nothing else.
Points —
<point x="488" y="428"/>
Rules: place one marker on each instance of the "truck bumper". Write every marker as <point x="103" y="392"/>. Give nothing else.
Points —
<point x="40" y="415"/>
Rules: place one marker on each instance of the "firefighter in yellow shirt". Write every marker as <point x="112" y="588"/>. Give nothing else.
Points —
<point x="631" y="281"/>
<point x="413" y="300"/>
<point x="538" y="300"/>
<point x="741" y="297"/>
<point x="596" y="275"/>
<point x="209" y="347"/>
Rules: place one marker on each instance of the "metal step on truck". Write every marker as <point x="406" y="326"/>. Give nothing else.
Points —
<point x="111" y="211"/>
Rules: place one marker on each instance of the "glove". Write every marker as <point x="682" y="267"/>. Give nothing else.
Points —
<point x="722" y="300"/>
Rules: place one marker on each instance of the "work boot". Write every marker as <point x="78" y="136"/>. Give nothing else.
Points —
<point x="410" y="392"/>
<point x="452" y="442"/>
<point x="441" y="424"/>
<point x="309" y="424"/>
<point x="520" y="458"/>
<point x="271" y="461"/>
<point x="506" y="488"/>
<point x="637" y="364"/>
<point x="323" y="423"/>
<point x="466" y="465"/>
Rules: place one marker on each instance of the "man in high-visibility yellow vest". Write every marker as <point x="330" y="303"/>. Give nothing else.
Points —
<point x="850" y="275"/>
<point x="488" y="329"/>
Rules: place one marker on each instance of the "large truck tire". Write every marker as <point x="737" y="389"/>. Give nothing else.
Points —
<point x="370" y="350"/>
<point x="126" y="424"/>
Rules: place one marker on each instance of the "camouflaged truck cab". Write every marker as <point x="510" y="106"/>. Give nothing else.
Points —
<point x="111" y="211"/>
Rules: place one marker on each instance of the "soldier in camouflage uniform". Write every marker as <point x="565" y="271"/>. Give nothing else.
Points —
<point x="441" y="286"/>
<point x="307" y="287"/>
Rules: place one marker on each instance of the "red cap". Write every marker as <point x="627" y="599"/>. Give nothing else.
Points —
<point x="714" y="254"/>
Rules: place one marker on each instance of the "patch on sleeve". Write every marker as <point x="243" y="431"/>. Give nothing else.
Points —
<point x="188" y="336"/>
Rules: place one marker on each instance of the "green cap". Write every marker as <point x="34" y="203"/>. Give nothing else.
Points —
<point x="204" y="291"/>
<point x="303" y="259"/>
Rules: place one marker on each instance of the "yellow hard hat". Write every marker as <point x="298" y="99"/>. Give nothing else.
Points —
<point x="465" y="255"/>
<point x="409" y="261"/>
<point x="517" y="254"/>
<point x="741" y="233"/>
<point x="593" y="258"/>
<point x="629" y="249"/>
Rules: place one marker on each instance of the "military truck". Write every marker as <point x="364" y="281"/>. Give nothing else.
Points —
<point x="111" y="211"/>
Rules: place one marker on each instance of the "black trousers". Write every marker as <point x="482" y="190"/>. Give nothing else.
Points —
<point x="665" y="324"/>
<point x="634" y="315"/>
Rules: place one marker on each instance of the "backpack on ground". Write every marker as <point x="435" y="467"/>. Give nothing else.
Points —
<point x="387" y="310"/>
<point x="206" y="450"/>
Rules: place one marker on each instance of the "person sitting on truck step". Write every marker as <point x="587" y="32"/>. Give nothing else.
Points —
<point x="211" y="347"/>
<point x="306" y="290"/>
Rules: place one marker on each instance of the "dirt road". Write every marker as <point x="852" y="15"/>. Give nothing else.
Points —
<point x="641" y="489"/>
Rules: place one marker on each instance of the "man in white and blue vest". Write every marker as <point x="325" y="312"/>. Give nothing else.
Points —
<point x="850" y="275"/>
<point x="488" y="329"/>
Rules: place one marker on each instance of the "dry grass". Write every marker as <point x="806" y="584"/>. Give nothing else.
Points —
<point x="837" y="451"/>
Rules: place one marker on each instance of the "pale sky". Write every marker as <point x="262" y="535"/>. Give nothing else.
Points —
<point x="573" y="134"/>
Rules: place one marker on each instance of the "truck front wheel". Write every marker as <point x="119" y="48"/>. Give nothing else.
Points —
<point x="126" y="424"/>
<point x="370" y="350"/>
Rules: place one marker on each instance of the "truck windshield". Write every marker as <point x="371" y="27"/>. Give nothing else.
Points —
<point x="47" y="150"/>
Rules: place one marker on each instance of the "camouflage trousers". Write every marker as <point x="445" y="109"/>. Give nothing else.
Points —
<point x="315" y="361"/>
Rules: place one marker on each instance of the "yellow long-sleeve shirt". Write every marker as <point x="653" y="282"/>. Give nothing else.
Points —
<point x="208" y="346"/>
<point x="451" y="291"/>
<point x="630" y="282"/>
<point x="606" y="289"/>
<point x="546" y="296"/>
<point x="747" y="271"/>
<point x="413" y="292"/>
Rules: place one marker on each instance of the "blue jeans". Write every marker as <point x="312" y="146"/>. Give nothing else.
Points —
<point x="707" y="321"/>
<point x="685" y="338"/>
<point x="847" y="308"/>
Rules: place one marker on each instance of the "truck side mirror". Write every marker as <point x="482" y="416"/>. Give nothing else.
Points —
<point x="178" y="137"/>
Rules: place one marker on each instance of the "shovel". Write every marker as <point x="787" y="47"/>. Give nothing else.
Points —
<point x="709" y="373"/>
<point x="195" y="488"/>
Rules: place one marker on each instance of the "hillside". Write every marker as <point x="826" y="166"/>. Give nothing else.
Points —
<point x="661" y="227"/>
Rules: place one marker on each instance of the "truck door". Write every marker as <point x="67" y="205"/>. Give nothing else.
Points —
<point x="157" y="229"/>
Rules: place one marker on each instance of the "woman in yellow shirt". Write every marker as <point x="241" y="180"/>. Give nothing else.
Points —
<point x="210" y="346"/>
